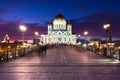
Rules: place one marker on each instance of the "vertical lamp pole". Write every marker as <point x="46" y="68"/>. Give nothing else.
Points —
<point x="86" y="34"/>
<point x="106" y="26"/>
<point x="36" y="34"/>
<point x="23" y="30"/>
<point x="42" y="40"/>
<point x="78" y="38"/>
<point x="119" y="53"/>
<point x="7" y="49"/>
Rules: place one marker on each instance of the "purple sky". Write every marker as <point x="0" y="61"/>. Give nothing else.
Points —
<point x="35" y="14"/>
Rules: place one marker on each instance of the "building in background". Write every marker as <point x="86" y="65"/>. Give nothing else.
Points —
<point x="59" y="32"/>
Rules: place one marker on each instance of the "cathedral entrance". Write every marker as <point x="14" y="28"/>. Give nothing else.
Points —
<point x="59" y="39"/>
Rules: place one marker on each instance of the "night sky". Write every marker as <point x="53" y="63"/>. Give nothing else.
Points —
<point x="87" y="15"/>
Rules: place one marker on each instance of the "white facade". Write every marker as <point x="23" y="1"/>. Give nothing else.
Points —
<point x="59" y="32"/>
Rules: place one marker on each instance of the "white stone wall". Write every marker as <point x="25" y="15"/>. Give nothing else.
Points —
<point x="52" y="39"/>
<point x="59" y="24"/>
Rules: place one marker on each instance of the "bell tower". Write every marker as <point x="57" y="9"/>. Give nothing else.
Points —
<point x="49" y="28"/>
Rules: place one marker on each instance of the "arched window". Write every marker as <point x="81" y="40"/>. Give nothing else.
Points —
<point x="59" y="26"/>
<point x="62" y="26"/>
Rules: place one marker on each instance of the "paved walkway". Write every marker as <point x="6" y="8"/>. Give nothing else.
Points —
<point x="62" y="63"/>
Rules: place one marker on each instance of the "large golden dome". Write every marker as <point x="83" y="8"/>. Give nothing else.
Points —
<point x="59" y="16"/>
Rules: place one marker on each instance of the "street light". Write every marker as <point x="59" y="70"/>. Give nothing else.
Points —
<point x="78" y="38"/>
<point x="6" y="39"/>
<point x="106" y="26"/>
<point x="85" y="34"/>
<point x="42" y="38"/>
<point x="36" y="40"/>
<point x="36" y="34"/>
<point x="119" y="52"/>
<point x="79" y="35"/>
<point x="23" y="30"/>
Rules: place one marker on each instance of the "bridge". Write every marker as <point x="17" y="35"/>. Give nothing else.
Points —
<point x="61" y="63"/>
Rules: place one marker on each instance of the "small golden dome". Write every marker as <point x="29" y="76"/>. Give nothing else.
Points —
<point x="69" y="24"/>
<point x="49" y="24"/>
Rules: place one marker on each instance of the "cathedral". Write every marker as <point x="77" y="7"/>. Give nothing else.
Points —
<point x="59" y="32"/>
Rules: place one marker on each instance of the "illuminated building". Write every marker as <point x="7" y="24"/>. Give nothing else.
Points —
<point x="60" y="31"/>
<point x="6" y="39"/>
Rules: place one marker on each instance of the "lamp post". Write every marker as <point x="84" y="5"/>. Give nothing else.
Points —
<point x="78" y="38"/>
<point x="42" y="39"/>
<point x="36" y="40"/>
<point x="23" y="30"/>
<point x="85" y="34"/>
<point x="36" y="34"/>
<point x="106" y="26"/>
<point x="8" y="48"/>
<point x="79" y="35"/>
<point x="119" y="53"/>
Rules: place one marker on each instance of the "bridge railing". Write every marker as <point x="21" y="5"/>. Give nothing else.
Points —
<point x="7" y="55"/>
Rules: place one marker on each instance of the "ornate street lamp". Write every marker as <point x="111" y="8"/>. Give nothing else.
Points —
<point x="119" y="53"/>
<point x="79" y="36"/>
<point x="106" y="26"/>
<point x="23" y="30"/>
<point x="6" y="39"/>
<point x="7" y="56"/>
<point x="42" y="38"/>
<point x="85" y="34"/>
<point x="36" y="35"/>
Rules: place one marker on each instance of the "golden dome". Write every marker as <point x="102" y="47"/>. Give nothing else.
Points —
<point x="59" y="16"/>
<point x="49" y="24"/>
<point x="69" y="24"/>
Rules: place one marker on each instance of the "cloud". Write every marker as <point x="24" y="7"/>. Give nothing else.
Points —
<point x="12" y="29"/>
<point x="3" y="11"/>
<point x="94" y="24"/>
